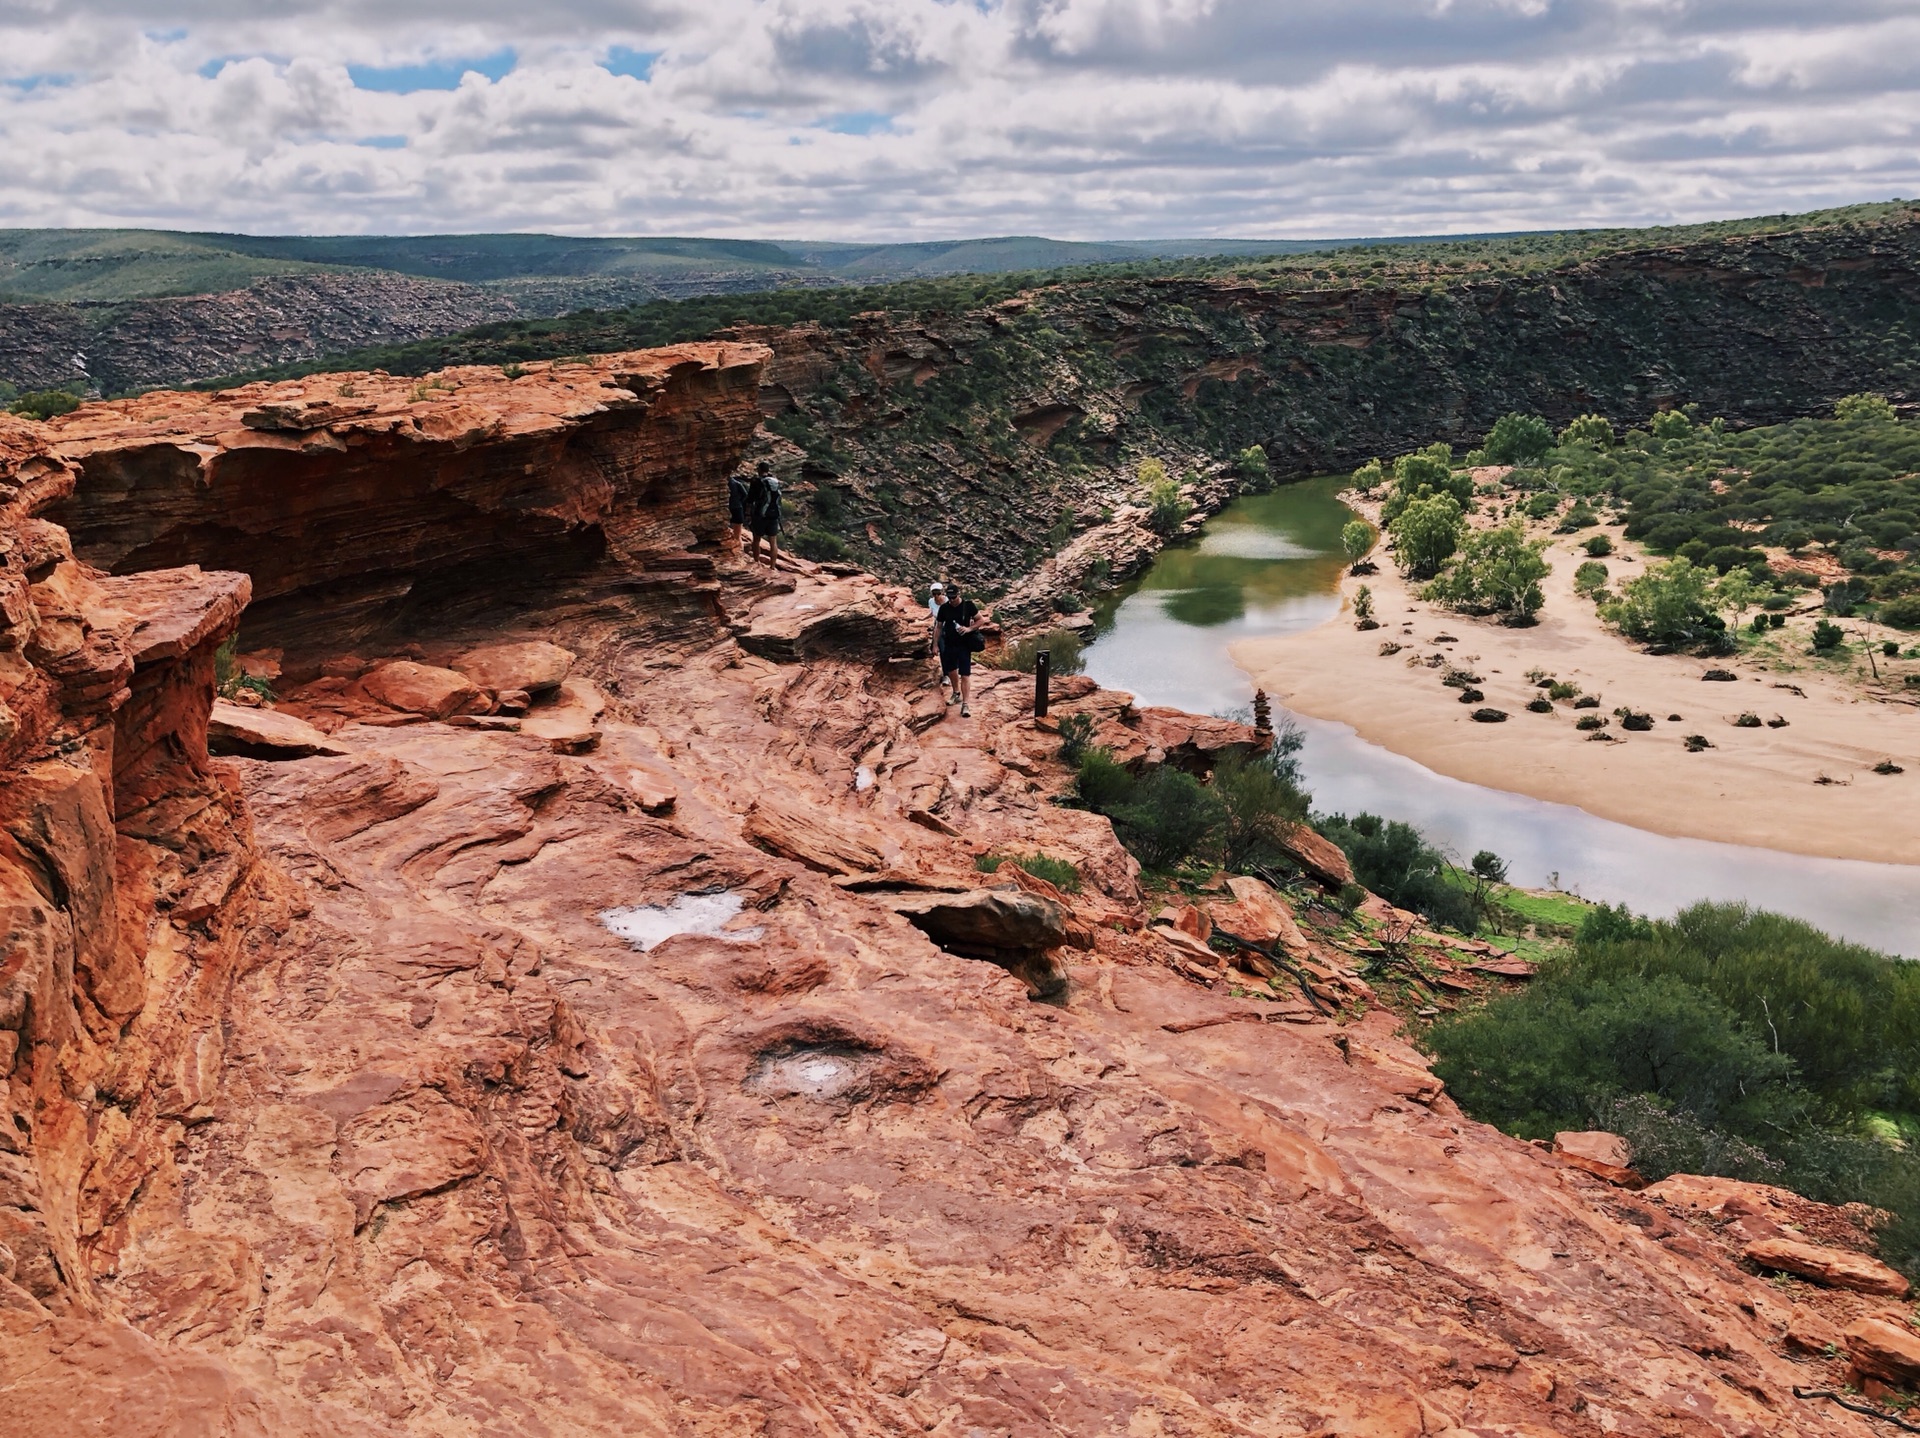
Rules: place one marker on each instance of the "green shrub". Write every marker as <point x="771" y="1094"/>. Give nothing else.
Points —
<point x="1593" y="430"/>
<point x="1062" y="874"/>
<point x="1076" y="733"/>
<point x="1498" y="572"/>
<point x="1827" y="636"/>
<point x="230" y="680"/>
<point x="1357" y="540"/>
<point x="45" y="404"/>
<point x="1254" y="468"/>
<point x="1101" y="781"/>
<point x="1167" y="509"/>
<point x="1517" y="438"/>
<point x="1395" y="861"/>
<point x="1590" y="578"/>
<point x="1168" y="818"/>
<point x="1261" y="802"/>
<point x="818" y="545"/>
<point x="1669" y="603"/>
<point x="1902" y="613"/>
<point x="1864" y="409"/>
<point x="1598" y="547"/>
<point x="1065" y="649"/>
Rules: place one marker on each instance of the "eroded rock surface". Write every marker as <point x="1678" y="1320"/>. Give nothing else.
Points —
<point x="339" y="1103"/>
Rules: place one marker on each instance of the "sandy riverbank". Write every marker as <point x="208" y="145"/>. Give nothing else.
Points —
<point x="1755" y="786"/>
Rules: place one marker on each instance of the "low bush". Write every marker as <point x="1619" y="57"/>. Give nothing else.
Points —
<point x="818" y="545"/>
<point x="1827" y="636"/>
<point x="1168" y="818"/>
<point x="1902" y="613"/>
<point x="1590" y="578"/>
<point x="1670" y="604"/>
<point x="1395" y="861"/>
<point x="1076" y="733"/>
<point x="1062" y="874"/>
<point x="1598" y="547"/>
<point x="1498" y="572"/>
<point x="1516" y="439"/>
<point x="1723" y="1041"/>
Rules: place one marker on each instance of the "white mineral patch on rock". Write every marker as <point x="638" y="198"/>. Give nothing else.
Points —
<point x="649" y="924"/>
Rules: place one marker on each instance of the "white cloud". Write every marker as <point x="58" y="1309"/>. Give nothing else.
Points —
<point x="924" y="118"/>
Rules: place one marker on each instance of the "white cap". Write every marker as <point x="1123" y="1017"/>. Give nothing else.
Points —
<point x="938" y="585"/>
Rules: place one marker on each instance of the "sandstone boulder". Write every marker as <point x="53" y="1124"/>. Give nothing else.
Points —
<point x="264" y="734"/>
<point x="1258" y="916"/>
<point x="1602" y="1154"/>
<point x="1322" y="858"/>
<point x="1883" y="1350"/>
<point x="571" y="722"/>
<point x="534" y="666"/>
<point x="1809" y="1332"/>
<point x="422" y="689"/>
<point x="782" y="823"/>
<point x="1828" y="1267"/>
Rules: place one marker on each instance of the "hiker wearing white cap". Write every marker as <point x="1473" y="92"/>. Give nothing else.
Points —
<point x="936" y="596"/>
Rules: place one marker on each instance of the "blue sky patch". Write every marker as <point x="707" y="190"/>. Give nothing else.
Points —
<point x="638" y="64"/>
<point x="858" y="122"/>
<point x="383" y="142"/>
<point x="27" y="84"/>
<point x="431" y="75"/>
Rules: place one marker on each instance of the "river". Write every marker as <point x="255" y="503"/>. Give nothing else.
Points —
<point x="1270" y="564"/>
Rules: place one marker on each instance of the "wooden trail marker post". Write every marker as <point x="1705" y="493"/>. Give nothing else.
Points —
<point x="1042" y="672"/>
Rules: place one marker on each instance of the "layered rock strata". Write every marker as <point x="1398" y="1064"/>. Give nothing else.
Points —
<point x="462" y="1083"/>
<point x="367" y="506"/>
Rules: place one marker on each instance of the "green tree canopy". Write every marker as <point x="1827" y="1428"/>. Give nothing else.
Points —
<point x="1517" y="439"/>
<point x="1864" y="409"/>
<point x="1670" y="603"/>
<point x="1357" y="540"/>
<point x="1426" y="533"/>
<point x="1498" y="572"/>
<point x="1593" y="430"/>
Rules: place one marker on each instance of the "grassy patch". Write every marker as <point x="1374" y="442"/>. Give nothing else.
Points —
<point x="1062" y="874"/>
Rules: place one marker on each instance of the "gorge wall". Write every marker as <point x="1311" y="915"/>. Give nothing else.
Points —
<point x="956" y="442"/>
<point x="613" y="1033"/>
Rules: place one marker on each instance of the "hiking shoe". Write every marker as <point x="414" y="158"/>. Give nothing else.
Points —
<point x="953" y="699"/>
<point x="965" y="713"/>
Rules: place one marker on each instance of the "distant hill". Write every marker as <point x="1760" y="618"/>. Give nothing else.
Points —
<point x="113" y="311"/>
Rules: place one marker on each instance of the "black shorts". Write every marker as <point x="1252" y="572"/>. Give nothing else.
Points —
<point x="736" y="510"/>
<point x="956" y="658"/>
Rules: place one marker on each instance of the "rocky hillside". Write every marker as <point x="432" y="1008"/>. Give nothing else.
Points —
<point x="577" y="1008"/>
<point x="136" y="344"/>
<point x="977" y="443"/>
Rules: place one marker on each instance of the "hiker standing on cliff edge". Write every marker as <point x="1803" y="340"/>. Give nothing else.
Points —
<point x="960" y="639"/>
<point x="763" y="513"/>
<point x="737" y="509"/>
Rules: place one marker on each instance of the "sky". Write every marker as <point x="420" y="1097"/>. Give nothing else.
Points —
<point x="930" y="119"/>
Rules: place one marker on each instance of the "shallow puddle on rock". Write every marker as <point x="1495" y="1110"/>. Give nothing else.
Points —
<point x="646" y="925"/>
<point x="810" y="1073"/>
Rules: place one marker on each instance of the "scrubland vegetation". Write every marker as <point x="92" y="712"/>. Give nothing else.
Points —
<point x="1722" y="1041"/>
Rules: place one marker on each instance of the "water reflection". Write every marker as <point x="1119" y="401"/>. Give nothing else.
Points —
<point x="1269" y="564"/>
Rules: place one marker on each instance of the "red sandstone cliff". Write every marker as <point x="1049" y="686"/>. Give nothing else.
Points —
<point x="335" y="1105"/>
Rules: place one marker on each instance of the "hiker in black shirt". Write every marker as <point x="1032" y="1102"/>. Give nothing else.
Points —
<point x="737" y="510"/>
<point x="959" y="619"/>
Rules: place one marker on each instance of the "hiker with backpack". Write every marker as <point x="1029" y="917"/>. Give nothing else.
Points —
<point x="960" y="639"/>
<point x="737" y="487"/>
<point x="763" y="513"/>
